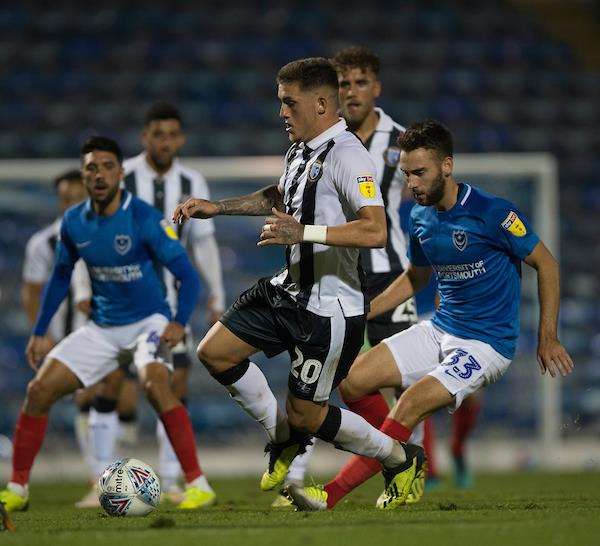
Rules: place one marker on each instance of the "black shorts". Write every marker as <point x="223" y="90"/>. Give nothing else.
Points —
<point x="322" y="349"/>
<point x="393" y="321"/>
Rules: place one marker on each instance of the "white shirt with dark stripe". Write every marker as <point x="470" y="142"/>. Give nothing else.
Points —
<point x="165" y="192"/>
<point x="326" y="182"/>
<point x="384" y="150"/>
<point x="37" y="269"/>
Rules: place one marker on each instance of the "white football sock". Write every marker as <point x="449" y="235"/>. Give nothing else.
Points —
<point x="201" y="483"/>
<point x="82" y="434"/>
<point x="299" y="465"/>
<point x="169" y="468"/>
<point x="18" y="489"/>
<point x="358" y="436"/>
<point x="255" y="397"/>
<point x="103" y="433"/>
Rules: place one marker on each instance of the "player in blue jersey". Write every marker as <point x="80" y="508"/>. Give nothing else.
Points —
<point x="475" y="243"/>
<point x="120" y="238"/>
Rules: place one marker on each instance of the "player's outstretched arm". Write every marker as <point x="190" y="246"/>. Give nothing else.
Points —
<point x="258" y="203"/>
<point x="551" y="355"/>
<point x="368" y="231"/>
<point x="413" y="280"/>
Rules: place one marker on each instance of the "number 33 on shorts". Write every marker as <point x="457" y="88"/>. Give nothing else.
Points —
<point x="463" y="370"/>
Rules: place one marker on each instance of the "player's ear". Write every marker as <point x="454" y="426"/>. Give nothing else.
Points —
<point x="447" y="166"/>
<point x="321" y="105"/>
<point x="144" y="137"/>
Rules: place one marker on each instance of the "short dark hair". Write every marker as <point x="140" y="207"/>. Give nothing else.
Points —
<point x="429" y="134"/>
<point x="160" y="111"/>
<point x="309" y="73"/>
<point x="72" y="175"/>
<point x="356" y="57"/>
<point x="103" y="144"/>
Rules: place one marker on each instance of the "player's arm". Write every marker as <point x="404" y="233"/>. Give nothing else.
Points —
<point x="55" y="292"/>
<point x="31" y="295"/>
<point x="552" y="356"/>
<point x="208" y="262"/>
<point x="368" y="231"/>
<point x="259" y="203"/>
<point x="411" y="281"/>
<point x="37" y="266"/>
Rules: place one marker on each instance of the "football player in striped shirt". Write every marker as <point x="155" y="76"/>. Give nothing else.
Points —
<point x="360" y="87"/>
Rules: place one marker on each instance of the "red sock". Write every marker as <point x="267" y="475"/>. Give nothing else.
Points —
<point x="29" y="435"/>
<point x="463" y="422"/>
<point x="179" y="430"/>
<point x="372" y="408"/>
<point x="359" y="469"/>
<point x="428" y="446"/>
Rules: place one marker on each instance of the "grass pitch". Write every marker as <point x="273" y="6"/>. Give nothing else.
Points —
<point x="508" y="509"/>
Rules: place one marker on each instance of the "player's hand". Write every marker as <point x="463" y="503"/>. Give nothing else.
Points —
<point x="553" y="358"/>
<point x="213" y="314"/>
<point x="281" y="229"/>
<point x="194" y="208"/>
<point x="173" y="334"/>
<point x="37" y="348"/>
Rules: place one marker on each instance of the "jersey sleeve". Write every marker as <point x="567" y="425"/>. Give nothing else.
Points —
<point x="512" y="230"/>
<point x="199" y="229"/>
<point x="415" y="250"/>
<point x="80" y="283"/>
<point x="38" y="262"/>
<point x="354" y="176"/>
<point x="161" y="239"/>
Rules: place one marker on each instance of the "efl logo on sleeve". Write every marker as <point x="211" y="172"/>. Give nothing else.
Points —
<point x="513" y="224"/>
<point x="366" y="186"/>
<point x="168" y="229"/>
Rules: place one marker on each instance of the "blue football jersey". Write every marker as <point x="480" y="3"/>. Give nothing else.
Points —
<point x="475" y="249"/>
<point x="121" y="253"/>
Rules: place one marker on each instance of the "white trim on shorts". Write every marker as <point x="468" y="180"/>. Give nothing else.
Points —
<point x="90" y="352"/>
<point x="463" y="366"/>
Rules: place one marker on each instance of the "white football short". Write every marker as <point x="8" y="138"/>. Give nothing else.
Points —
<point x="91" y="351"/>
<point x="461" y="365"/>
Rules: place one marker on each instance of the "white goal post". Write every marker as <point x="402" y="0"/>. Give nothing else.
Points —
<point x="540" y="168"/>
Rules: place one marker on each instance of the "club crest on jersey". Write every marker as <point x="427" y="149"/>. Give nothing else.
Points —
<point x="366" y="186"/>
<point x="513" y="224"/>
<point x="122" y="244"/>
<point x="168" y="229"/>
<point x="459" y="238"/>
<point x="391" y="156"/>
<point x="316" y="170"/>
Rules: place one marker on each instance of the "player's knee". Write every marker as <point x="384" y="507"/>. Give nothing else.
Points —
<point x="156" y="390"/>
<point x="215" y="360"/>
<point x="351" y="389"/>
<point x="39" y="396"/>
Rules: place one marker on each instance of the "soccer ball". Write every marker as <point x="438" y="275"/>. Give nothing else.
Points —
<point x="129" y="487"/>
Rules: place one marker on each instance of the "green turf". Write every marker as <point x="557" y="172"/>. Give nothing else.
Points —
<point x="505" y="510"/>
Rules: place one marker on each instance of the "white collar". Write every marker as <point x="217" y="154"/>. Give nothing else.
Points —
<point x="328" y="134"/>
<point x="385" y="123"/>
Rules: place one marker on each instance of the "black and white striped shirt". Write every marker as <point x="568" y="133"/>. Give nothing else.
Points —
<point x="326" y="182"/>
<point x="165" y="192"/>
<point x="37" y="269"/>
<point x="384" y="150"/>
